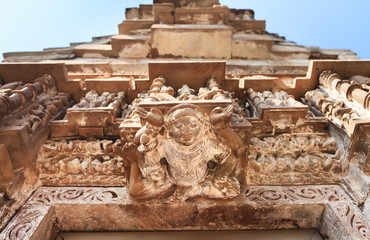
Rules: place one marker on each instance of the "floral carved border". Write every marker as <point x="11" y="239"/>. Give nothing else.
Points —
<point x="290" y="194"/>
<point x="78" y="195"/>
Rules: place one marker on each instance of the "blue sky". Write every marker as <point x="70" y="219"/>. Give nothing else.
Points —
<point x="27" y="25"/>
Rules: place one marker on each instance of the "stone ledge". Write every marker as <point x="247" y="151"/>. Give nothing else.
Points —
<point x="265" y="207"/>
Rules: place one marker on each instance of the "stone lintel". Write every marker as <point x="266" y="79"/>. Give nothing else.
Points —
<point x="112" y="209"/>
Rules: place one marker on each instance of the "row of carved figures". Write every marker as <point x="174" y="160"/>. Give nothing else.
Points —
<point x="160" y="92"/>
<point x="355" y="89"/>
<point x="16" y="95"/>
<point x="42" y="112"/>
<point x="38" y="103"/>
<point x="272" y="99"/>
<point x="93" y="100"/>
<point x="335" y="110"/>
<point x="80" y="157"/>
<point x="51" y="148"/>
<point x="286" y="153"/>
<point x="89" y="165"/>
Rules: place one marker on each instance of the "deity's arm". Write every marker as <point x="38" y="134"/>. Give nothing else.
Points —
<point x="144" y="181"/>
<point x="231" y="139"/>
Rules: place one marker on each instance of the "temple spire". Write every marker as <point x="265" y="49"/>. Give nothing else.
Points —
<point x="189" y="3"/>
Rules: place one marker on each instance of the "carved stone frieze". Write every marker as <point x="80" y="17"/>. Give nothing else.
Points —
<point x="270" y="99"/>
<point x="355" y="220"/>
<point x="356" y="180"/>
<point x="92" y="99"/>
<point x="31" y="222"/>
<point x="355" y="89"/>
<point x="298" y="207"/>
<point x="344" y="102"/>
<point x="290" y="194"/>
<point x="78" y="195"/>
<point x="335" y="110"/>
<point x="186" y="144"/>
<point x="289" y="159"/>
<point x="159" y="92"/>
<point x="31" y="105"/>
<point x="95" y="116"/>
<point x="278" y="112"/>
<point x="40" y="114"/>
<point x="6" y="210"/>
<point x="16" y="95"/>
<point x="344" y="220"/>
<point x="81" y="162"/>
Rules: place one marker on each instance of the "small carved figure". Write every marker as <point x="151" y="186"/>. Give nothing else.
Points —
<point x="186" y="93"/>
<point x="93" y="100"/>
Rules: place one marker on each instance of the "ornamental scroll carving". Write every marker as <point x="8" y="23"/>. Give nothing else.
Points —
<point x="185" y="152"/>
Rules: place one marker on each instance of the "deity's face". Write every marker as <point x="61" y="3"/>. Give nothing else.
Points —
<point x="186" y="130"/>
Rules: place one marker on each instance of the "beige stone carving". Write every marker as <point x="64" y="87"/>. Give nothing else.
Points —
<point x="303" y="206"/>
<point x="31" y="222"/>
<point x="160" y="92"/>
<point x="50" y="196"/>
<point x="270" y="99"/>
<point x="287" y="159"/>
<point x="93" y="100"/>
<point x="14" y="96"/>
<point x="185" y="149"/>
<point x="213" y="91"/>
<point x="356" y="89"/>
<point x="345" y="217"/>
<point x="42" y="112"/>
<point x="81" y="162"/>
<point x="288" y="194"/>
<point x="335" y="110"/>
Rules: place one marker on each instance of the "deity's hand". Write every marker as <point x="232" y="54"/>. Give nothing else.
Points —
<point x="144" y="139"/>
<point x="129" y="146"/>
<point x="183" y="96"/>
<point x="221" y="117"/>
<point x="221" y="157"/>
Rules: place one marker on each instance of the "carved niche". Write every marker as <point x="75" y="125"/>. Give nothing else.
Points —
<point x="185" y="151"/>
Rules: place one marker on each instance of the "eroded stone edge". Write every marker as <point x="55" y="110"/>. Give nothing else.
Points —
<point x="31" y="223"/>
<point x="344" y="220"/>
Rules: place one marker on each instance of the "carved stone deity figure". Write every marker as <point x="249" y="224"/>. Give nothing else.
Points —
<point x="181" y="154"/>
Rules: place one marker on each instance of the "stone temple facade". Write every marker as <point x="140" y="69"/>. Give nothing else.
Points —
<point x="193" y="117"/>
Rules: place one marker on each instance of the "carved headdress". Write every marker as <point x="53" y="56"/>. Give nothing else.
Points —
<point x="183" y="110"/>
